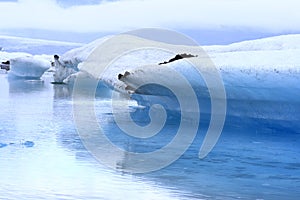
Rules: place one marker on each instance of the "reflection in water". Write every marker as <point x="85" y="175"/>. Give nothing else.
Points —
<point x="26" y="103"/>
<point x="25" y="86"/>
<point x="62" y="91"/>
<point x="68" y="139"/>
<point x="63" y="113"/>
<point x="242" y="161"/>
<point x="244" y="165"/>
<point x="67" y="136"/>
<point x="38" y="115"/>
<point x="65" y="91"/>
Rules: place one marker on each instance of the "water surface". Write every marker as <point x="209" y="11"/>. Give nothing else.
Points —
<point x="41" y="155"/>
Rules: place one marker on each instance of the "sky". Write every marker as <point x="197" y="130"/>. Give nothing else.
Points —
<point x="209" y="17"/>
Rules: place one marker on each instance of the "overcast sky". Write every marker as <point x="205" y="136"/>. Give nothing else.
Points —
<point x="104" y="16"/>
<point x="206" y="21"/>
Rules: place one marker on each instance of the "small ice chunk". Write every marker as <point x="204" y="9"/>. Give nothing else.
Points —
<point x="29" y="67"/>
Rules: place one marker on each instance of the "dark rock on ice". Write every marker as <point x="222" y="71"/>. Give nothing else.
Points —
<point x="120" y="76"/>
<point x="56" y="57"/>
<point x="5" y="65"/>
<point x="178" y="57"/>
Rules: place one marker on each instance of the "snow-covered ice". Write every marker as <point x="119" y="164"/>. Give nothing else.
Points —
<point x="258" y="71"/>
<point x="4" y="56"/>
<point x="260" y="77"/>
<point x="67" y="64"/>
<point x="257" y="63"/>
<point x="282" y="42"/>
<point x="35" y="46"/>
<point x="30" y="58"/>
<point x="28" y="67"/>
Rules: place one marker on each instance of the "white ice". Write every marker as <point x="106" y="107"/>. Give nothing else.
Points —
<point x="30" y="58"/>
<point x="35" y="46"/>
<point x="265" y="64"/>
<point x="67" y="64"/>
<point x="261" y="77"/>
<point x="28" y="67"/>
<point x="258" y="63"/>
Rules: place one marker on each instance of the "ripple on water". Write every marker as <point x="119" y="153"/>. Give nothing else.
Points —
<point x="27" y="144"/>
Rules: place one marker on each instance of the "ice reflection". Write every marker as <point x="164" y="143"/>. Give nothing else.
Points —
<point x="25" y="86"/>
<point x="62" y="91"/>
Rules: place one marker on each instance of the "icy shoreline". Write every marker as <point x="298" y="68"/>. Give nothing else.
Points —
<point x="260" y="77"/>
<point x="258" y="57"/>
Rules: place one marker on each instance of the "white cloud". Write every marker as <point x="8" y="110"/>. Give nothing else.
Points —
<point x="128" y="14"/>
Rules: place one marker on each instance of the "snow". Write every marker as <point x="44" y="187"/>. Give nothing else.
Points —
<point x="35" y="46"/>
<point x="32" y="67"/>
<point x="242" y="64"/>
<point x="80" y="54"/>
<point x="5" y="56"/>
<point x="30" y="58"/>
<point x="257" y="57"/>
<point x="282" y="42"/>
<point x="25" y="65"/>
<point x="263" y="63"/>
<point x="67" y="64"/>
<point x="63" y="70"/>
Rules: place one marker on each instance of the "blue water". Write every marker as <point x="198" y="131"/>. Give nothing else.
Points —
<point x="42" y="156"/>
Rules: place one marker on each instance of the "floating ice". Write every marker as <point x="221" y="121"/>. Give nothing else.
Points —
<point x="67" y="64"/>
<point x="29" y="67"/>
<point x="63" y="70"/>
<point x="267" y="64"/>
<point x="260" y="77"/>
<point x="4" y="56"/>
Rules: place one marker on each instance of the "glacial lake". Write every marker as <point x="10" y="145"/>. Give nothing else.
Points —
<point x="42" y="156"/>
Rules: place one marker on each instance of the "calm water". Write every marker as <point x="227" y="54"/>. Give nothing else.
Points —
<point x="41" y="155"/>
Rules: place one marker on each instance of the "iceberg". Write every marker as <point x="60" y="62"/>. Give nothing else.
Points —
<point x="67" y="64"/>
<point x="19" y="53"/>
<point x="28" y="67"/>
<point x="62" y="70"/>
<point x="260" y="78"/>
<point x="4" y="56"/>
